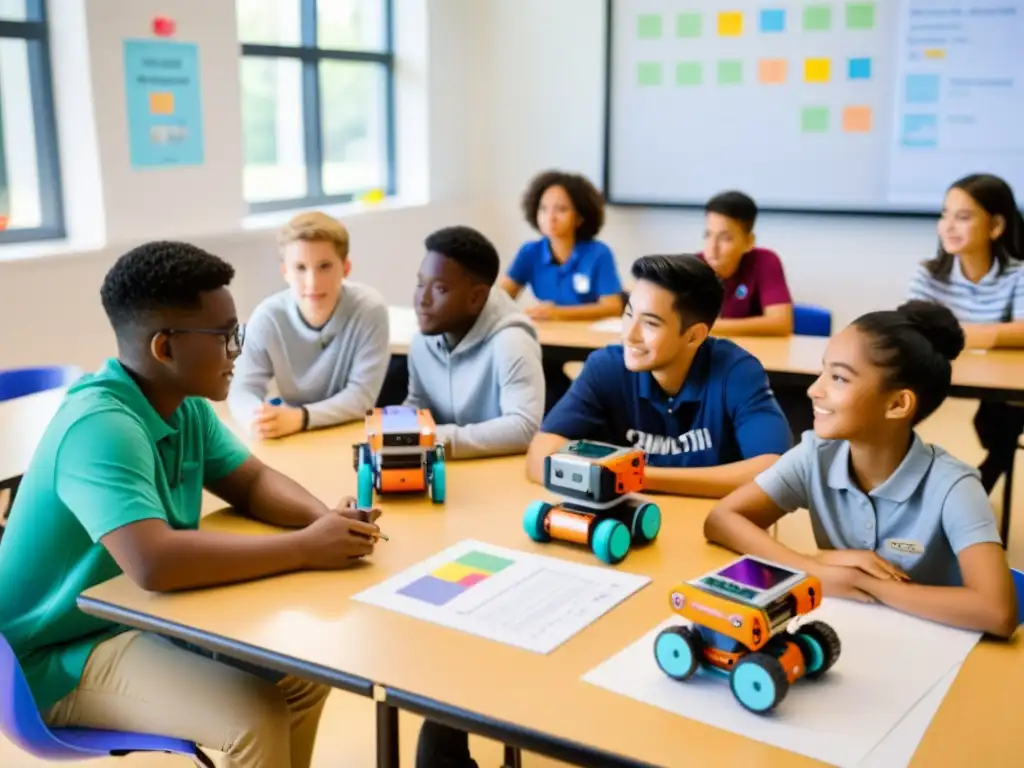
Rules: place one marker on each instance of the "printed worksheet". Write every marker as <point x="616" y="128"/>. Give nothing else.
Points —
<point x="530" y="601"/>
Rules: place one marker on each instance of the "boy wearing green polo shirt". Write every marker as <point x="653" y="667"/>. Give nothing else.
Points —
<point x="116" y="486"/>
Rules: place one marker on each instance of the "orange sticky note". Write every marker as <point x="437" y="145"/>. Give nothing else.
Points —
<point x="730" y="23"/>
<point x="857" y="119"/>
<point x="771" y="71"/>
<point x="817" y="70"/>
<point x="161" y="103"/>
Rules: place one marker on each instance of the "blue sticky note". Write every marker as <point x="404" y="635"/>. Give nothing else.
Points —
<point x="860" y="69"/>
<point x="773" y="20"/>
<point x="921" y="131"/>
<point x="922" y="89"/>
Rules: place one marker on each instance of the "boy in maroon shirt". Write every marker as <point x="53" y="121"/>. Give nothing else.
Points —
<point x="757" y="299"/>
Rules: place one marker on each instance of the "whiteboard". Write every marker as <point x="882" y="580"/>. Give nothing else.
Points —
<point x="846" y="105"/>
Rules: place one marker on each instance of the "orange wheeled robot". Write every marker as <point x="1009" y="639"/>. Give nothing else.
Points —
<point x="401" y="455"/>
<point x="741" y="615"/>
<point x="598" y="482"/>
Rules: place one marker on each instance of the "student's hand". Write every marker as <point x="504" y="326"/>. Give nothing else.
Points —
<point x="844" y="582"/>
<point x="336" y="541"/>
<point x="274" y="421"/>
<point x="863" y="560"/>
<point x="347" y="507"/>
<point x="544" y="310"/>
<point x="980" y="335"/>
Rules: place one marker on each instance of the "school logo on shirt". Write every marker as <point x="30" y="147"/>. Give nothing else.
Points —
<point x="742" y="291"/>
<point x="580" y="283"/>
<point x="662" y="445"/>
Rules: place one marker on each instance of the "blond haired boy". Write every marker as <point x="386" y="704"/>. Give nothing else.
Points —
<point x="323" y="340"/>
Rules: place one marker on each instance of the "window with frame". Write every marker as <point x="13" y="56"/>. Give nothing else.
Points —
<point x="317" y="101"/>
<point x="30" y="194"/>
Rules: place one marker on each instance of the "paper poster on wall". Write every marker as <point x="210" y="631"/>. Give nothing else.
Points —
<point x="165" y="117"/>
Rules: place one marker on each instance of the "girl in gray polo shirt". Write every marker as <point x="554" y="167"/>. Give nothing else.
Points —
<point x="897" y="521"/>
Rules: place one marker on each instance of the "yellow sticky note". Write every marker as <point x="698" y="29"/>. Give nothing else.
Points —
<point x="161" y="103"/>
<point x="453" y="572"/>
<point x="373" y="196"/>
<point x="857" y="119"/>
<point x="771" y="71"/>
<point x="730" y="23"/>
<point x="817" y="70"/>
<point x="934" y="53"/>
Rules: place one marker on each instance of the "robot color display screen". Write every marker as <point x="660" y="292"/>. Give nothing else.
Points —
<point x="592" y="450"/>
<point x="753" y="573"/>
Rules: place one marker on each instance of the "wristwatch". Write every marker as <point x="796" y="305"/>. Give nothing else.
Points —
<point x="305" y="418"/>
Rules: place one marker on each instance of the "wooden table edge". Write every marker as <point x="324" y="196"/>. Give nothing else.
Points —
<point x="242" y="651"/>
<point x="527" y="739"/>
<point x="508" y="733"/>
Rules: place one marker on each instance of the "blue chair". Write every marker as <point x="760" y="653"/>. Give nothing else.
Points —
<point x="22" y="724"/>
<point x="1018" y="584"/>
<point x="809" y="320"/>
<point x="19" y="382"/>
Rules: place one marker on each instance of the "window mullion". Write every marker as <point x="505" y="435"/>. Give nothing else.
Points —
<point x="312" y="132"/>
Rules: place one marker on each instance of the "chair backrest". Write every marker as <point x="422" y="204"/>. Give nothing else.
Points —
<point x="1018" y="585"/>
<point x="809" y="320"/>
<point x="19" y="382"/>
<point x="20" y="720"/>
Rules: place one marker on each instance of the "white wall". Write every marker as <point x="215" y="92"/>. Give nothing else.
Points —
<point x="49" y="306"/>
<point x="544" y="66"/>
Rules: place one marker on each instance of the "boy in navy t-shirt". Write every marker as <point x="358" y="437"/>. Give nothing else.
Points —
<point x="700" y="407"/>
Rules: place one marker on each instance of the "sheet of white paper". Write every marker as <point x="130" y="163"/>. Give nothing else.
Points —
<point x="529" y="601"/>
<point x="608" y="325"/>
<point x="898" y="748"/>
<point x="889" y="662"/>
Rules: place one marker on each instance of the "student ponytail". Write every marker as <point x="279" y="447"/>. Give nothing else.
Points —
<point x="916" y="345"/>
<point x="996" y="198"/>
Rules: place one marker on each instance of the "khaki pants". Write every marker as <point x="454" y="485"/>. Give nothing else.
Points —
<point x="146" y="683"/>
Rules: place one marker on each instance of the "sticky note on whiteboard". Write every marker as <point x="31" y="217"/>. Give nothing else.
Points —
<point x="771" y="71"/>
<point x="817" y="70"/>
<point x="730" y="23"/>
<point x="857" y="119"/>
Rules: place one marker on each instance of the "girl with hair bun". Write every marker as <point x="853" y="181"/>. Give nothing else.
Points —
<point x="896" y="521"/>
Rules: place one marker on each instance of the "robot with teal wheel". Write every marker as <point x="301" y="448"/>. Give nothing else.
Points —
<point x="600" y="508"/>
<point x="741" y="628"/>
<point x="401" y="455"/>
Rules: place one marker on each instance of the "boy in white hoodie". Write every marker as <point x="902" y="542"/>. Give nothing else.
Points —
<point x="476" y="362"/>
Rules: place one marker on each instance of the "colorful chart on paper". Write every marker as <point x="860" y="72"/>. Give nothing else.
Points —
<point x="444" y="584"/>
<point x="518" y="598"/>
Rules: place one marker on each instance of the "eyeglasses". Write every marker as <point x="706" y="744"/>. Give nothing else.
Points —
<point x="233" y="339"/>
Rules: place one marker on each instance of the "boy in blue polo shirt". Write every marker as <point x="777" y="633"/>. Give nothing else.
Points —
<point x="699" y="407"/>
<point x="116" y="486"/>
<point x="896" y="521"/>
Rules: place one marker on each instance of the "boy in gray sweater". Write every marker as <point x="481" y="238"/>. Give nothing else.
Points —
<point x="323" y="340"/>
<point x="476" y="362"/>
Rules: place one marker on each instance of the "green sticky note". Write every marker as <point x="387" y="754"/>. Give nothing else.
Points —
<point x="860" y="15"/>
<point x="814" y="119"/>
<point x="688" y="73"/>
<point x="817" y="18"/>
<point x="688" y="25"/>
<point x="649" y="73"/>
<point x="648" y="26"/>
<point x="730" y="72"/>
